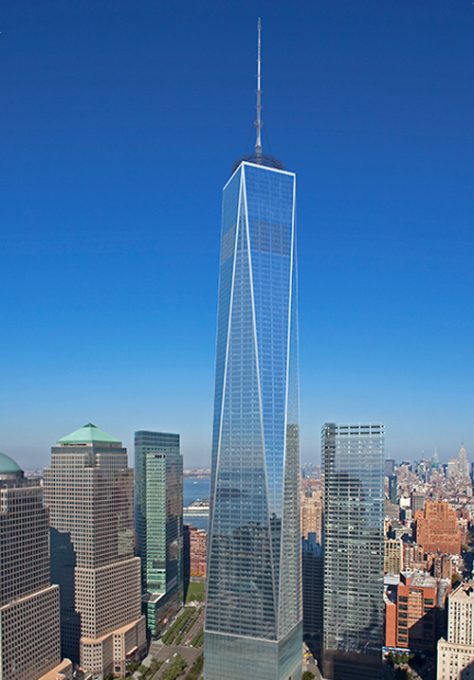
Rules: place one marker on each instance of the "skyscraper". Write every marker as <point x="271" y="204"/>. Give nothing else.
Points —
<point x="353" y="551"/>
<point x="28" y="651"/>
<point x="253" y="622"/>
<point x="464" y="466"/>
<point x="89" y="493"/>
<point x="313" y="575"/>
<point x="393" y="488"/>
<point x="159" y="523"/>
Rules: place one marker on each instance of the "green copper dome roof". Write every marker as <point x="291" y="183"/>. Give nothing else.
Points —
<point x="87" y="435"/>
<point x="8" y="465"/>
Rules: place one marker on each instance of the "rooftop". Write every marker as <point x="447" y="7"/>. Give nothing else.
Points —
<point x="88" y="434"/>
<point x="464" y="591"/>
<point x="260" y="159"/>
<point x="419" y="579"/>
<point x="8" y="465"/>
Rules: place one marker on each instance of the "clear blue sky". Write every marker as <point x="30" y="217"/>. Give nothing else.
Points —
<point x="120" y="121"/>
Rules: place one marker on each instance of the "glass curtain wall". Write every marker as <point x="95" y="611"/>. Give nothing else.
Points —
<point x="353" y="457"/>
<point x="253" y="613"/>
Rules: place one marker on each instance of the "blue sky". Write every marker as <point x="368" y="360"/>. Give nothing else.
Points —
<point x="120" y="123"/>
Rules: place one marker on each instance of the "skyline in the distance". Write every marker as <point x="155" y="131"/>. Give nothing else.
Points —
<point x="121" y="124"/>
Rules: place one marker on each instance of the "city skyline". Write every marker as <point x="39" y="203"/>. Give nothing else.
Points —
<point x="98" y="246"/>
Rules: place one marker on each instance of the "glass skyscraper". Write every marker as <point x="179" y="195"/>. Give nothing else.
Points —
<point x="353" y="542"/>
<point x="253" y="625"/>
<point x="159" y="524"/>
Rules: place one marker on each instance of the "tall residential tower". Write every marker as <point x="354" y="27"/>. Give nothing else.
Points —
<point x="159" y="523"/>
<point x="253" y="622"/>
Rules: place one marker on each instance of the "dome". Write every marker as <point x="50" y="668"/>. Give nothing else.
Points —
<point x="8" y="465"/>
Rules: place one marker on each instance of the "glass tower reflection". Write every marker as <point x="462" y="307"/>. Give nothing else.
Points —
<point x="253" y="614"/>
<point x="353" y="457"/>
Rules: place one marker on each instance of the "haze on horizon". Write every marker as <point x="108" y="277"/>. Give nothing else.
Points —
<point x="122" y="123"/>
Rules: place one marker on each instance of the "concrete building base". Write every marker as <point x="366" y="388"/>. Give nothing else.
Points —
<point x="110" y="653"/>
<point x="62" y="672"/>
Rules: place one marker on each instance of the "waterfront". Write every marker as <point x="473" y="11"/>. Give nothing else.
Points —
<point x="196" y="488"/>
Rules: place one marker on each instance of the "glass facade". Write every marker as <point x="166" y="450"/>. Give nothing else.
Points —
<point x="353" y="457"/>
<point x="159" y="523"/>
<point x="254" y="586"/>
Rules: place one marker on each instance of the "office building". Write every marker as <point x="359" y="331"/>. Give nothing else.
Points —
<point x="456" y="654"/>
<point x="417" y="502"/>
<point x="463" y="463"/>
<point x="253" y="626"/>
<point x="313" y="573"/>
<point x="393" y="488"/>
<point x="89" y="492"/>
<point x="452" y="469"/>
<point x="445" y="566"/>
<point x="393" y="556"/>
<point x="353" y="544"/>
<point x="197" y="552"/>
<point x="28" y="651"/>
<point x="159" y="524"/>
<point x="389" y="467"/>
<point x="311" y="513"/>
<point x="436" y="528"/>
<point x="411" y="618"/>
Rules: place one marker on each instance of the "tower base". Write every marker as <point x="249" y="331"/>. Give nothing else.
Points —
<point x="351" y="666"/>
<point x="234" y="657"/>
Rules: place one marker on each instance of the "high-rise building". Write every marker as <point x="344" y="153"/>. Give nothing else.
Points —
<point x="417" y="502"/>
<point x="452" y="469"/>
<point x="393" y="488"/>
<point x="463" y="463"/>
<point x="436" y="528"/>
<point x="159" y="524"/>
<point x="456" y="654"/>
<point x="393" y="555"/>
<point x="445" y="566"/>
<point x="412" y="625"/>
<point x="253" y="624"/>
<point x="197" y="552"/>
<point x="89" y="492"/>
<point x="313" y="572"/>
<point x="353" y="544"/>
<point x="389" y="467"/>
<point x="311" y="513"/>
<point x="30" y="647"/>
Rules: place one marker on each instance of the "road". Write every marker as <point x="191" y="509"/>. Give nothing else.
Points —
<point x="168" y="653"/>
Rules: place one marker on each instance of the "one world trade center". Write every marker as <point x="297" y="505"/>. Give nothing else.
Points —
<point x="253" y="626"/>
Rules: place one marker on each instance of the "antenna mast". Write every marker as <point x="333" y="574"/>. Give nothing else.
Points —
<point x="258" y="122"/>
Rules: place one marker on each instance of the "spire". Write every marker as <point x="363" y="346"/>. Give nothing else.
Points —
<point x="258" y="157"/>
<point x="258" y="122"/>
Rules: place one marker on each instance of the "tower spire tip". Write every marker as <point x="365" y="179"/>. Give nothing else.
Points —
<point x="258" y="122"/>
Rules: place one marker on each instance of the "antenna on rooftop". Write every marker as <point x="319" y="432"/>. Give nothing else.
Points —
<point x="258" y="122"/>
